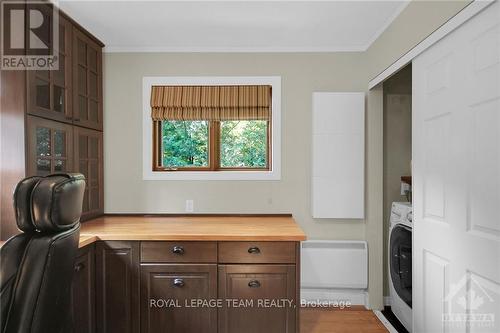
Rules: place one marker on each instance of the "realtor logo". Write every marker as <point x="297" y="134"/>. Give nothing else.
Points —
<point x="29" y="35"/>
<point x="473" y="303"/>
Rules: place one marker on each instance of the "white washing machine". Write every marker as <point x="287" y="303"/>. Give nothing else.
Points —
<point x="400" y="262"/>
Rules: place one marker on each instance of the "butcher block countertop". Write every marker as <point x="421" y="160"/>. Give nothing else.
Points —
<point x="191" y="228"/>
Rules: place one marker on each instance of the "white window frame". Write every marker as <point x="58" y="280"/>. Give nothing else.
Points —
<point x="147" y="128"/>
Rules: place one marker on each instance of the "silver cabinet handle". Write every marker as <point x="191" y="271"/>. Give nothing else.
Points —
<point x="254" y="284"/>
<point x="179" y="283"/>
<point x="254" y="250"/>
<point x="178" y="250"/>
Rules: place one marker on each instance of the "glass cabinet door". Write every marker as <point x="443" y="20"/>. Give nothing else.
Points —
<point x="87" y="81"/>
<point x="88" y="150"/>
<point x="49" y="147"/>
<point x="49" y="91"/>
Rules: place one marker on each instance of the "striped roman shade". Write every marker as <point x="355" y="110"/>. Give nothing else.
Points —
<point x="211" y="102"/>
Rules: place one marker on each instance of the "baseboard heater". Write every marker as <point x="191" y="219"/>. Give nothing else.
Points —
<point x="334" y="271"/>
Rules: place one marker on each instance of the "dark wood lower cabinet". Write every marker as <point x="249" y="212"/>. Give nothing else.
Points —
<point x="170" y="294"/>
<point x="177" y="296"/>
<point x="117" y="287"/>
<point x="82" y="292"/>
<point x="262" y="298"/>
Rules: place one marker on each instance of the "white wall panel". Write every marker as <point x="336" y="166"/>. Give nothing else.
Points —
<point x="321" y="259"/>
<point x="338" y="152"/>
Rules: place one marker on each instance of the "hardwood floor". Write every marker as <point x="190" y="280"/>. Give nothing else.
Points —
<point x="339" y="321"/>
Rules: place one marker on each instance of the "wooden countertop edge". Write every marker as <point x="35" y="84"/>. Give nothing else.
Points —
<point x="195" y="215"/>
<point x="89" y="239"/>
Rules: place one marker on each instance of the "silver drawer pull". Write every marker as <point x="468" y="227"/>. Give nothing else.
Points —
<point x="254" y="284"/>
<point x="178" y="250"/>
<point x="179" y="283"/>
<point x="79" y="267"/>
<point x="254" y="250"/>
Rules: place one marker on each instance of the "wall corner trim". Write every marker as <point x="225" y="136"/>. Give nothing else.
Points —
<point x="461" y="17"/>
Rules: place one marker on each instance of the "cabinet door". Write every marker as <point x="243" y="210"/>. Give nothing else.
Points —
<point x="87" y="81"/>
<point x="49" y="146"/>
<point x="180" y="285"/>
<point x="253" y="284"/>
<point x="49" y="91"/>
<point x="89" y="161"/>
<point x="117" y="287"/>
<point x="83" y="297"/>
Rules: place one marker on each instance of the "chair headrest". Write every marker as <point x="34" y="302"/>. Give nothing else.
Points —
<point x="49" y="204"/>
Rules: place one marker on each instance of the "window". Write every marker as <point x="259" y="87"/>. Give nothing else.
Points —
<point x="211" y="128"/>
<point x="184" y="144"/>
<point x="221" y="133"/>
<point x="244" y="144"/>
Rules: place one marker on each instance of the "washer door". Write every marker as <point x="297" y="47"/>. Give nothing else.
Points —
<point x="400" y="261"/>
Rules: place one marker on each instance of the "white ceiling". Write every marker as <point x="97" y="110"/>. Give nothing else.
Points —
<point x="234" y="26"/>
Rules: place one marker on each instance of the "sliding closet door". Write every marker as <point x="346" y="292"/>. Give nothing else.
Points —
<point x="456" y="177"/>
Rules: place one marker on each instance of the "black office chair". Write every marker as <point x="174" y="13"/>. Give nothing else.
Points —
<point x="36" y="266"/>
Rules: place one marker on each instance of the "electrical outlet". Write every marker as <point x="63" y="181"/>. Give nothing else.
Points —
<point x="189" y="206"/>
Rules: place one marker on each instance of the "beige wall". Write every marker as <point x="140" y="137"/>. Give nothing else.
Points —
<point x="125" y="191"/>
<point x="374" y="195"/>
<point x="417" y="21"/>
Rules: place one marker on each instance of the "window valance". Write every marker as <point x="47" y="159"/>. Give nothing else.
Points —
<point x="242" y="102"/>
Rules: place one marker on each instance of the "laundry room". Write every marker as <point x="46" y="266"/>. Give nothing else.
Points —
<point x="397" y="198"/>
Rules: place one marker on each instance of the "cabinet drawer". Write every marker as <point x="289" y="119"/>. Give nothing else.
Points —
<point x="257" y="252"/>
<point x="199" y="252"/>
<point x="168" y="292"/>
<point x="254" y="283"/>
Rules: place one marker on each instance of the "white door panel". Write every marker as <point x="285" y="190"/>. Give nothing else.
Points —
<point x="436" y="279"/>
<point x="456" y="177"/>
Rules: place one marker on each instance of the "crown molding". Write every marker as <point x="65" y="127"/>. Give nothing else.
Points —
<point x="387" y="23"/>
<point x="161" y="49"/>
<point x="461" y="17"/>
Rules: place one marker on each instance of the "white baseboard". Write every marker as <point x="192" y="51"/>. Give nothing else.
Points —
<point x="387" y="301"/>
<point x="340" y="296"/>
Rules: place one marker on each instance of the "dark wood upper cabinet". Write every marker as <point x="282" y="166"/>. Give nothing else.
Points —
<point x="83" y="292"/>
<point x="88" y="160"/>
<point x="49" y="147"/>
<point x="87" y="81"/>
<point x="64" y="107"/>
<point x="49" y="93"/>
<point x="40" y="113"/>
<point x="257" y="282"/>
<point x="54" y="146"/>
<point x="181" y="283"/>
<point x="117" y="287"/>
